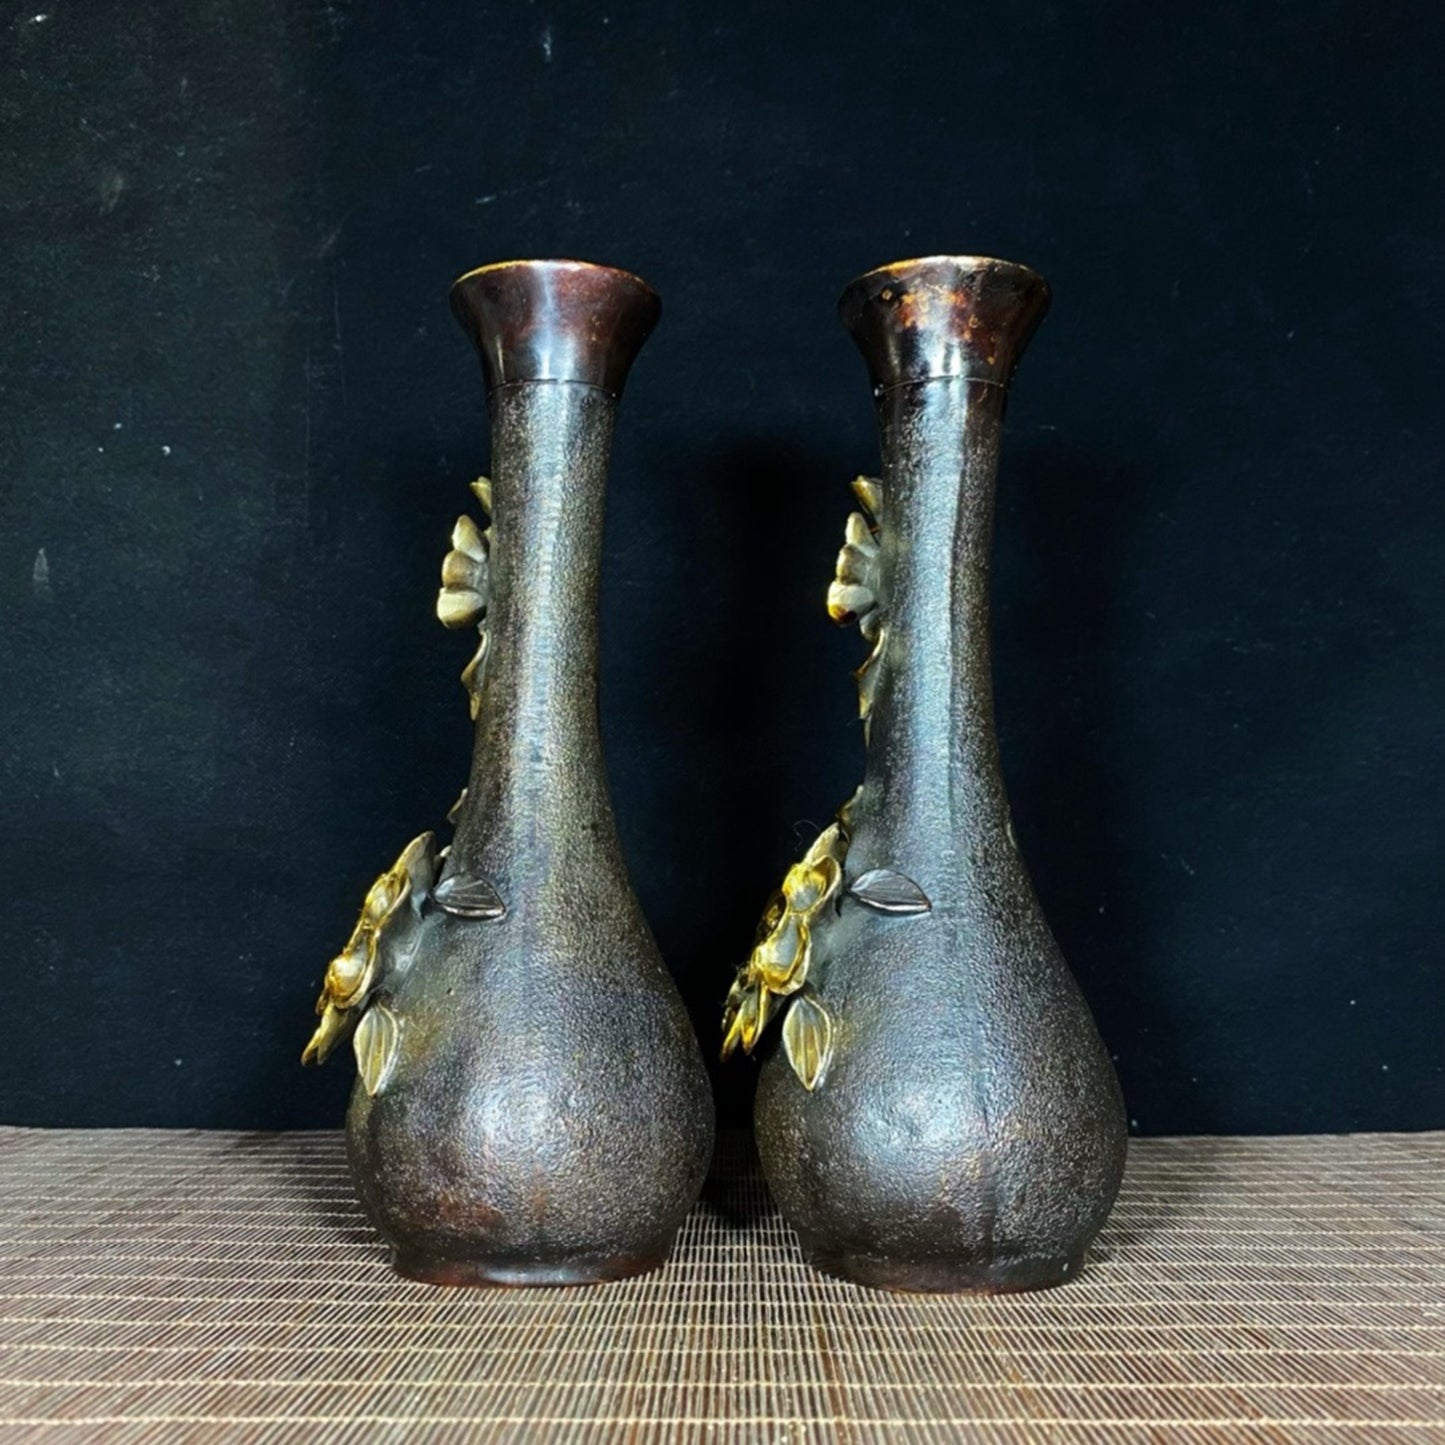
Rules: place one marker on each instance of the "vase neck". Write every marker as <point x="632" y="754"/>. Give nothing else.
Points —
<point x="933" y="789"/>
<point x="537" y="718"/>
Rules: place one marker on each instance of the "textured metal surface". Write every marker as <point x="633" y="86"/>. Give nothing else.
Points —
<point x="969" y="1133"/>
<point x="162" y="1287"/>
<point x="549" y="1119"/>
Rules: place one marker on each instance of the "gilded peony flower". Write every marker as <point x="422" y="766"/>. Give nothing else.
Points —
<point x="783" y="948"/>
<point x="378" y="942"/>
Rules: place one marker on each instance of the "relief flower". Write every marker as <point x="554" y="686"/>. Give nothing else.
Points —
<point x="856" y="592"/>
<point x="462" y="601"/>
<point x="853" y="593"/>
<point x="466" y="589"/>
<point x="378" y="942"/>
<point x="783" y="949"/>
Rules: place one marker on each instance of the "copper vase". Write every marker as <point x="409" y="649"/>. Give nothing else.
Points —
<point x="532" y="1106"/>
<point x="939" y="1112"/>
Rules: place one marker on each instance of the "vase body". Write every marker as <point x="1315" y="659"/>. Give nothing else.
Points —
<point x="957" y="1124"/>
<point x="543" y="1114"/>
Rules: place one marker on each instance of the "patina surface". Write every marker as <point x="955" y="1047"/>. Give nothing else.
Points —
<point x="955" y="1123"/>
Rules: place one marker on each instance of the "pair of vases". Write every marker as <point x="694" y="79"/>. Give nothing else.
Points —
<point x="935" y="1109"/>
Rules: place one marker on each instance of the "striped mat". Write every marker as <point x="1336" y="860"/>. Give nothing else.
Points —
<point x="218" y="1286"/>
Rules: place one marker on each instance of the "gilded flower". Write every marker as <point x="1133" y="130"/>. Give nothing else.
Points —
<point x="853" y="593"/>
<point x="466" y="589"/>
<point x="378" y="942"/>
<point x="783" y="949"/>
<point x="462" y="601"/>
<point x="856" y="592"/>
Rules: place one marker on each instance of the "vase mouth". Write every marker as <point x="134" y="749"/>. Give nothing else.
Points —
<point x="555" y="320"/>
<point x="944" y="316"/>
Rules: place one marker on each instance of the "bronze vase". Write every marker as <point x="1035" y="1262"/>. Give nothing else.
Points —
<point x="941" y="1114"/>
<point x="531" y="1106"/>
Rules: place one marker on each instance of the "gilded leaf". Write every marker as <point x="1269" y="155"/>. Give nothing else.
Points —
<point x="473" y="674"/>
<point x="455" y="811"/>
<point x="482" y="488"/>
<point x="808" y="1040"/>
<point x="732" y="1026"/>
<point x="333" y="1027"/>
<point x="756" y="1008"/>
<point x="845" y="817"/>
<point x="377" y="1043"/>
<point x="746" y="1014"/>
<point x="868" y="675"/>
<point x="888" y="892"/>
<point x="418" y="862"/>
<point x="468" y="898"/>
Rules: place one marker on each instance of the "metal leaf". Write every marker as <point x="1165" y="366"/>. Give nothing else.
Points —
<point x="468" y="898"/>
<point x="330" y="1031"/>
<point x="377" y="1042"/>
<point x="419" y="862"/>
<point x="888" y="892"/>
<point x="808" y="1040"/>
<point x="868" y="675"/>
<point x="473" y="673"/>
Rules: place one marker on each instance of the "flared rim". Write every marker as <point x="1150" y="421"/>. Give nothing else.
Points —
<point x="536" y="265"/>
<point x="932" y="317"/>
<point x="555" y="320"/>
<point x="917" y="268"/>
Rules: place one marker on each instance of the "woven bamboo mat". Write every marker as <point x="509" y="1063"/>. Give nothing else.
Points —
<point x="202" y="1286"/>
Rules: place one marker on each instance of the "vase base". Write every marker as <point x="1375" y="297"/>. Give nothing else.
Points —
<point x="939" y="1276"/>
<point x="522" y="1273"/>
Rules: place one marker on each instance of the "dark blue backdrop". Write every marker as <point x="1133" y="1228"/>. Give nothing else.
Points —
<point x="238" y="423"/>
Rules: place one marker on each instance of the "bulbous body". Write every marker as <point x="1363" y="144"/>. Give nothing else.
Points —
<point x="543" y="1116"/>
<point x="965" y="1130"/>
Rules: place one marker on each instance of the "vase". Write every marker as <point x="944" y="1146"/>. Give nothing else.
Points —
<point x="939" y="1112"/>
<point x="531" y="1104"/>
